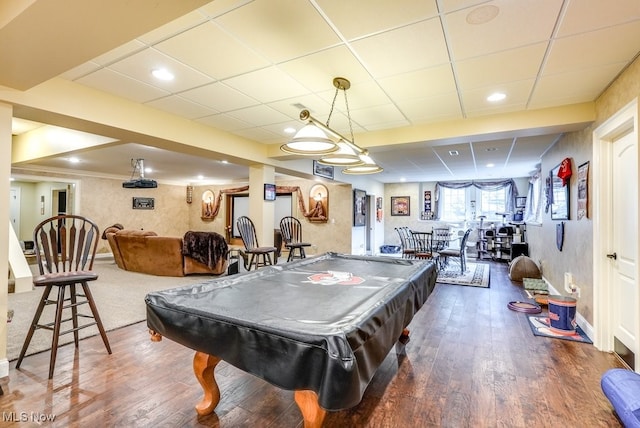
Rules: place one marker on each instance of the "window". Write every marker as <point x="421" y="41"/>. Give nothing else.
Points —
<point x="453" y="203"/>
<point x="492" y="202"/>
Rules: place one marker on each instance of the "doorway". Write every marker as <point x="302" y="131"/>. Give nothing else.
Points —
<point x="616" y="295"/>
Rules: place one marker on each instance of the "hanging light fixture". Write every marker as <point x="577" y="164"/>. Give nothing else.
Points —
<point x="319" y="139"/>
<point x="368" y="166"/>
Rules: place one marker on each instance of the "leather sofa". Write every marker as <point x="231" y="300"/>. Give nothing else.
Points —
<point x="145" y="252"/>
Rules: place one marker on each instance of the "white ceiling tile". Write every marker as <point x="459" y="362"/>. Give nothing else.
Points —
<point x="259" y="115"/>
<point x="219" y="96"/>
<point x="508" y="66"/>
<point x="267" y="85"/>
<point x="517" y="24"/>
<point x="353" y="20"/>
<point x="81" y="70"/>
<point x="453" y="5"/>
<point x="610" y="45"/>
<point x="316" y="71"/>
<point x="494" y="151"/>
<point x="292" y="107"/>
<point x="224" y="122"/>
<point x="123" y="86"/>
<point x="475" y="100"/>
<point x="181" y="107"/>
<point x="380" y="114"/>
<point x="120" y="52"/>
<point x="257" y="134"/>
<point x="280" y="29"/>
<point x="212" y="51"/>
<point x="560" y="89"/>
<point x="220" y="7"/>
<point x="431" y="109"/>
<point x="140" y="65"/>
<point x="420" y="84"/>
<point x="174" y="27"/>
<point x="587" y="15"/>
<point x="406" y="49"/>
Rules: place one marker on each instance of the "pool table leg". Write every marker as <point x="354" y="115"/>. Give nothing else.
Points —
<point x="203" y="367"/>
<point x="312" y="414"/>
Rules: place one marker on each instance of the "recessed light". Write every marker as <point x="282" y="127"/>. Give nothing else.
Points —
<point x="162" y="74"/>
<point x="200" y="177"/>
<point x="74" y="160"/>
<point x="224" y="162"/>
<point x="290" y="130"/>
<point x="490" y="165"/>
<point x="453" y="153"/>
<point x="403" y="179"/>
<point x="497" y="96"/>
<point x="491" y="149"/>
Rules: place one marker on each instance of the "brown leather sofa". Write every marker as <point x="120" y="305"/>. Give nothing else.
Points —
<point x="145" y="252"/>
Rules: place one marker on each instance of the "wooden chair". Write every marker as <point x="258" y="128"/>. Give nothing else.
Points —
<point x="291" y="230"/>
<point x="65" y="246"/>
<point x="259" y="256"/>
<point x="459" y="254"/>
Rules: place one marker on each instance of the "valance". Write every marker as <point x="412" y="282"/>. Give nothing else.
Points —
<point x="512" y="191"/>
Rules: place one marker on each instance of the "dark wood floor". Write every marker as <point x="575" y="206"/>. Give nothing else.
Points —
<point x="471" y="362"/>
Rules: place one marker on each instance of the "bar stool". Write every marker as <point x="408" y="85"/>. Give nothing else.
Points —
<point x="65" y="247"/>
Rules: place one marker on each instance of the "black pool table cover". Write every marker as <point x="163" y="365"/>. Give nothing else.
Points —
<point x="323" y="324"/>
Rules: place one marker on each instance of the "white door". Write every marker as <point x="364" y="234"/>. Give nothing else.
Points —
<point x="624" y="243"/>
<point x="14" y="209"/>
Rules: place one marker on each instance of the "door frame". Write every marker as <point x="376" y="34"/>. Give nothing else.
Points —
<point x="622" y="122"/>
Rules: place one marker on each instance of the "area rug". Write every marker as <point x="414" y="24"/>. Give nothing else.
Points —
<point x="540" y="327"/>
<point x="119" y="296"/>
<point x="476" y="275"/>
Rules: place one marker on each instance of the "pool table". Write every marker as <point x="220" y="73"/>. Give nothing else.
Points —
<point x="319" y="326"/>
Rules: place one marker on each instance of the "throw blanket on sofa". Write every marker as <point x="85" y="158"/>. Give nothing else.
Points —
<point x="205" y="247"/>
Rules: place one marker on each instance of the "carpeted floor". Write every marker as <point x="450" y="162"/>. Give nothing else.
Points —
<point x="119" y="296"/>
<point x="476" y="275"/>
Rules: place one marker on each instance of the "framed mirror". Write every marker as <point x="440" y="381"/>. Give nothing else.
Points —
<point x="559" y="196"/>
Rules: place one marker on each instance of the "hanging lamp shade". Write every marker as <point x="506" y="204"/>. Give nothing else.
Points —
<point x="368" y="166"/>
<point x="344" y="156"/>
<point x="310" y="140"/>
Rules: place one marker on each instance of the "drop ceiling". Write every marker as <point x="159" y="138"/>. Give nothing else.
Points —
<point x="247" y="67"/>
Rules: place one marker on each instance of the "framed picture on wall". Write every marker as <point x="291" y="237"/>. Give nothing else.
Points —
<point x="359" y="207"/>
<point x="400" y="205"/>
<point x="320" y="170"/>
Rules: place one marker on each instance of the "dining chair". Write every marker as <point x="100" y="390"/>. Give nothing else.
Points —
<point x="65" y="247"/>
<point x="291" y="230"/>
<point x="259" y="256"/>
<point x="424" y="246"/>
<point x="406" y="242"/>
<point x="441" y="237"/>
<point x="457" y="254"/>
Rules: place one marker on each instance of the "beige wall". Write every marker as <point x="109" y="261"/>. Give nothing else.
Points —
<point x="106" y="202"/>
<point x="576" y="256"/>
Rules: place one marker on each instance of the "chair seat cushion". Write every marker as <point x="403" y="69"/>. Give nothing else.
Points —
<point x="297" y="244"/>
<point x="450" y="253"/>
<point x="622" y="388"/>
<point x="63" y="278"/>
<point x="261" y="250"/>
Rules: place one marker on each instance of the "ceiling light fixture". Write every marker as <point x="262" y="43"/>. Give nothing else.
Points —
<point x="162" y="74"/>
<point x="498" y="96"/>
<point x="318" y="139"/>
